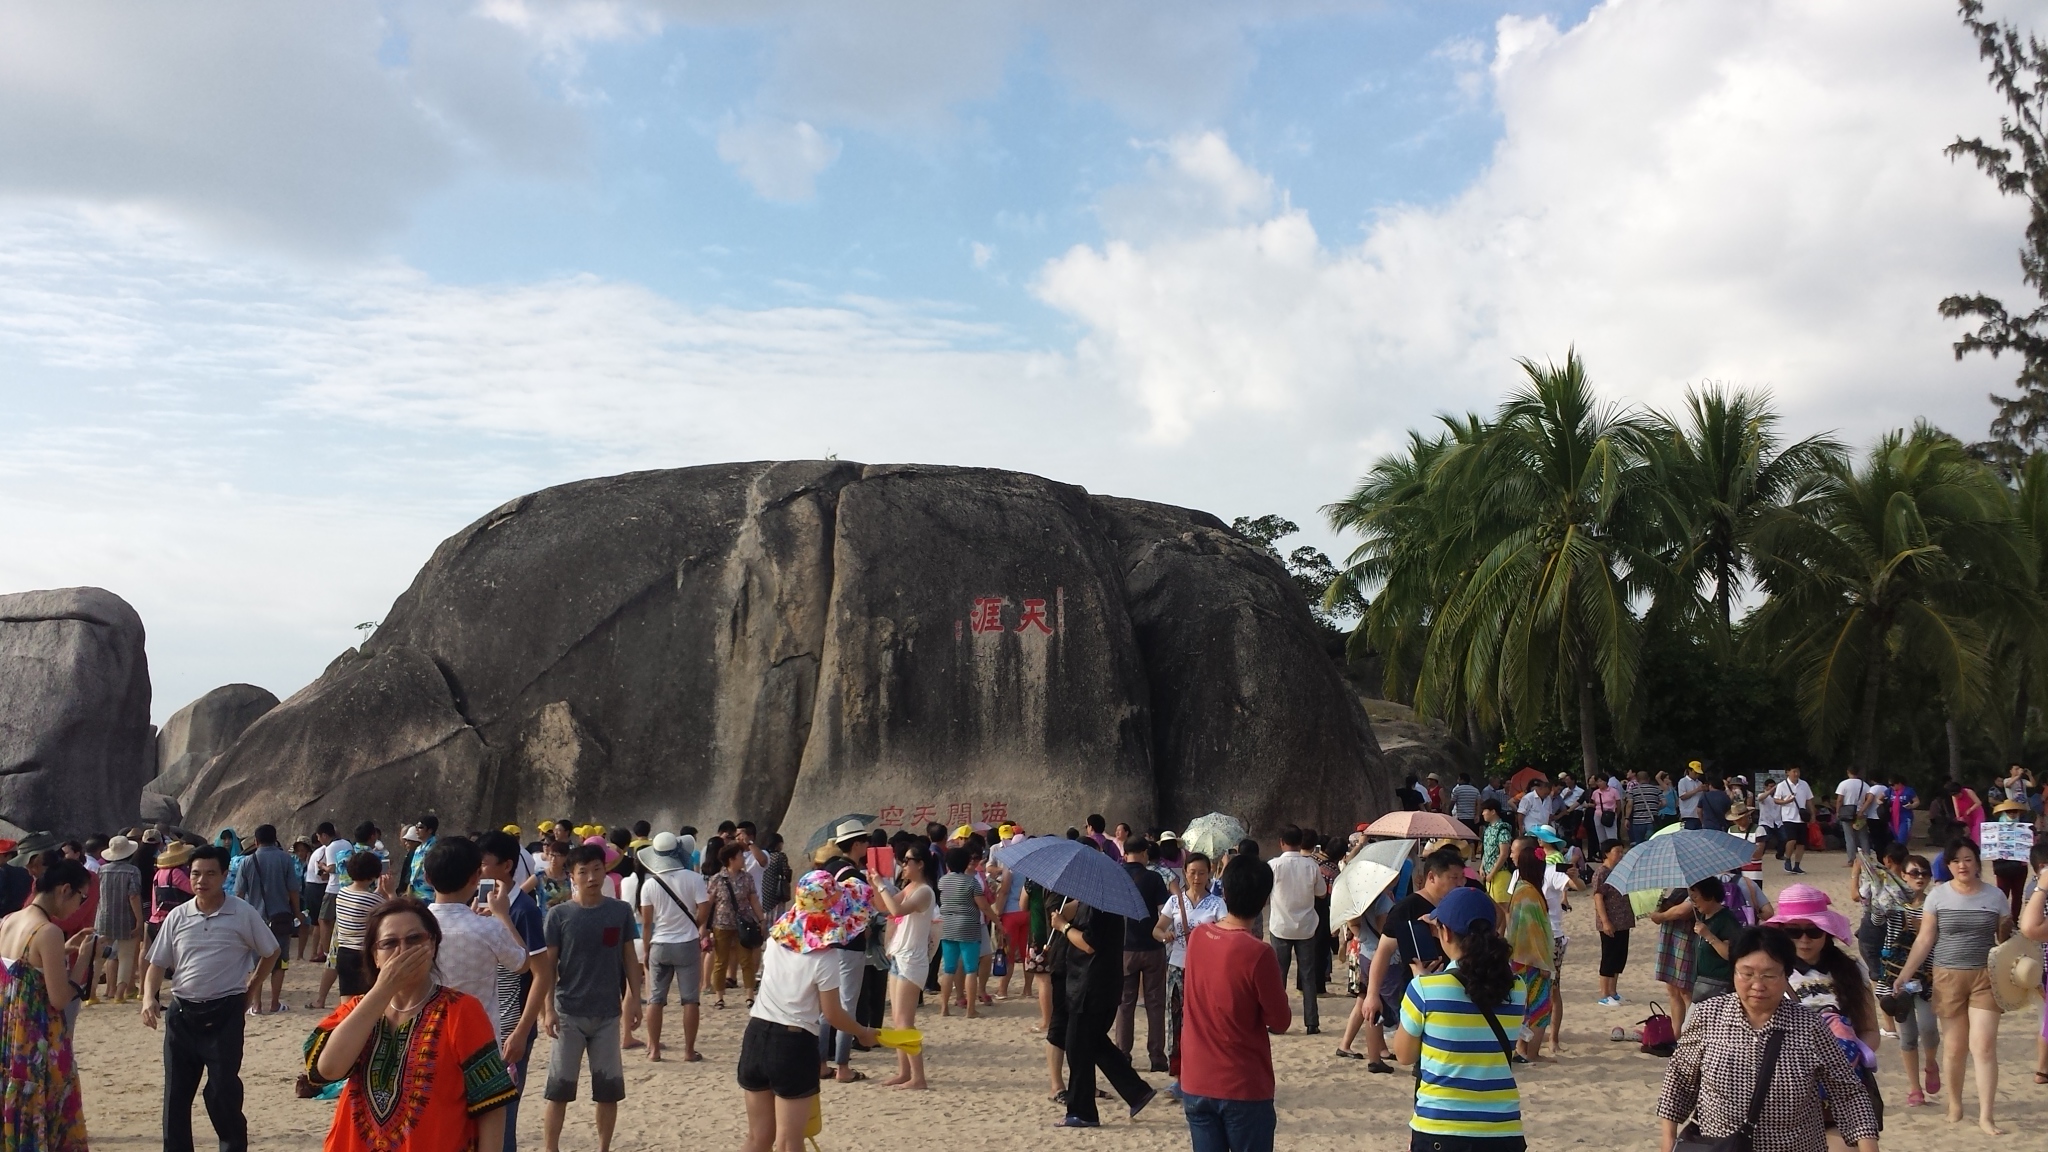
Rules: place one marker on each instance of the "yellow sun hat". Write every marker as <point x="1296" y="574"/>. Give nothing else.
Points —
<point x="547" y="826"/>
<point x="511" y="829"/>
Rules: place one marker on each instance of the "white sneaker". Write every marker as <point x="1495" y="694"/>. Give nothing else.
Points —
<point x="1608" y="1001"/>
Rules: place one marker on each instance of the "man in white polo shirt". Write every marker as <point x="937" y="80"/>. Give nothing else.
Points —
<point x="220" y="949"/>
<point x="1291" y="920"/>
<point x="473" y="946"/>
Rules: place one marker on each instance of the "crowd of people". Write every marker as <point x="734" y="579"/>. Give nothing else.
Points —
<point x="464" y="954"/>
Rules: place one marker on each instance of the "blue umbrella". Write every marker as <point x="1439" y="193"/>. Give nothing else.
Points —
<point x="1679" y="859"/>
<point x="1074" y="869"/>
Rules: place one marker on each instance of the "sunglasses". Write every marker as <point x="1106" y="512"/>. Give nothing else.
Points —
<point x="1920" y="872"/>
<point x="1802" y="932"/>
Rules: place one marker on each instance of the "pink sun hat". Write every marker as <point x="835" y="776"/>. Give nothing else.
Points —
<point x="1803" y="903"/>
<point x="611" y="851"/>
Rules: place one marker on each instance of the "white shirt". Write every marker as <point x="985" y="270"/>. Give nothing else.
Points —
<point x="1792" y="798"/>
<point x="1297" y="881"/>
<point x="759" y="876"/>
<point x="473" y="948"/>
<point x="1689" y="789"/>
<point x="1878" y="795"/>
<point x="331" y="857"/>
<point x="1851" y="793"/>
<point x="1537" y="809"/>
<point x="790" y="982"/>
<point x="1208" y="909"/>
<point x="672" y="924"/>
<point x="1554" y="883"/>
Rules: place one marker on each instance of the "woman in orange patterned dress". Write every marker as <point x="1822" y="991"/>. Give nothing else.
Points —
<point x="422" y="1063"/>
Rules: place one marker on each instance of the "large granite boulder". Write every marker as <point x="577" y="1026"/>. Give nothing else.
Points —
<point x="74" y="711"/>
<point x="790" y="641"/>
<point x="192" y="737"/>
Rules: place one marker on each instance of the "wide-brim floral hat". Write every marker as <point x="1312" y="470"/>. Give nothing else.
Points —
<point x="824" y="913"/>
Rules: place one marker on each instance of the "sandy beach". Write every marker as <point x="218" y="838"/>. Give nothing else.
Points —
<point x="988" y="1078"/>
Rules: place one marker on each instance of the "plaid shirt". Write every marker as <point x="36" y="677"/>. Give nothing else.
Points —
<point x="1713" y="1074"/>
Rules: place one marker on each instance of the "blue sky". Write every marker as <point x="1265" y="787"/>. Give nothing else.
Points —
<point x="287" y="295"/>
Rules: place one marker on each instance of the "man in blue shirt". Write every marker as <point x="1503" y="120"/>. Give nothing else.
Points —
<point x="268" y="880"/>
<point x="416" y="869"/>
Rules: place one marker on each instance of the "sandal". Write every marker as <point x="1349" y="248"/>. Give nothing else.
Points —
<point x="1380" y="1067"/>
<point x="1915" y="1100"/>
<point x="1348" y="1054"/>
<point x="2041" y="1077"/>
<point x="853" y="1077"/>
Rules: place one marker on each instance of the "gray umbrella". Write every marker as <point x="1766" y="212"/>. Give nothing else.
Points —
<point x="824" y="832"/>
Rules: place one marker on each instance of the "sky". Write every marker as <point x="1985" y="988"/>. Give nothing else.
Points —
<point x="288" y="294"/>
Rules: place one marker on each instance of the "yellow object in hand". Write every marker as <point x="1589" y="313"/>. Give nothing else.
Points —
<point x="902" y="1039"/>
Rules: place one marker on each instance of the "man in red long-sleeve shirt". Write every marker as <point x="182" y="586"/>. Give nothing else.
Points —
<point x="1233" y="998"/>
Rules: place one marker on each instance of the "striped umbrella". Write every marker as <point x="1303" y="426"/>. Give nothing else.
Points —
<point x="1679" y="859"/>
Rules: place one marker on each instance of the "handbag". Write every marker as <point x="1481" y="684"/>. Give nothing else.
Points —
<point x="1659" y="1037"/>
<point x="1689" y="1138"/>
<point x="750" y="934"/>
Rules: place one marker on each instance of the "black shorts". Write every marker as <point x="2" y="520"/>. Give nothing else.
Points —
<point x="780" y="1059"/>
<point x="1613" y="953"/>
<point x="1790" y="833"/>
<point x="352" y="974"/>
<point x="1056" y="1033"/>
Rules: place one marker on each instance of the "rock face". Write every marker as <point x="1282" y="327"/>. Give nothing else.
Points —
<point x="790" y="641"/>
<point x="1412" y="746"/>
<point x="74" y="711"/>
<point x="192" y="737"/>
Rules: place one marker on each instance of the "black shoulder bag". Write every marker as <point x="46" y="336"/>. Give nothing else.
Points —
<point x="1689" y="1138"/>
<point x="663" y="885"/>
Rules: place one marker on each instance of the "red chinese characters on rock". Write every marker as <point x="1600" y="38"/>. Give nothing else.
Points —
<point x="985" y="615"/>
<point x="915" y="816"/>
<point x="1034" y="617"/>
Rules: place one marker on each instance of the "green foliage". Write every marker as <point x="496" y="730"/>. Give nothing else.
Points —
<point x="1568" y="567"/>
<point x="1311" y="571"/>
<point x="2019" y="167"/>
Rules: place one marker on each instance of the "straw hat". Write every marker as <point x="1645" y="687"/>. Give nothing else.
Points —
<point x="2012" y="806"/>
<point x="119" y="848"/>
<point x="2015" y="969"/>
<point x="177" y="855"/>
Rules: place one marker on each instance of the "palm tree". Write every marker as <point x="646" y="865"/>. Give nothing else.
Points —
<point x="1722" y="472"/>
<point x="1416" y="543"/>
<point x="1897" y="562"/>
<point x="2019" y="649"/>
<point x="1542" y="624"/>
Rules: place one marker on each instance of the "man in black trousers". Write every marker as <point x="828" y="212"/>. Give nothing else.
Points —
<point x="1095" y="983"/>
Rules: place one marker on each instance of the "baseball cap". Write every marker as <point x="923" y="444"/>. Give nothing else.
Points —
<point x="1462" y="908"/>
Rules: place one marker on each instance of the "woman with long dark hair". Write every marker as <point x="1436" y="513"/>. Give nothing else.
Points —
<point x="1532" y="949"/>
<point x="1829" y="980"/>
<point x="40" y="1106"/>
<point x="910" y="951"/>
<point x="1960" y="922"/>
<point x="1456" y="1027"/>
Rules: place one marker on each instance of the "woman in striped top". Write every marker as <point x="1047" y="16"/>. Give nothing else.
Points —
<point x="1455" y="1029"/>
<point x="1919" y="1032"/>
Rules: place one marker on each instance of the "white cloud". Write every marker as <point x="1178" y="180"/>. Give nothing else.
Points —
<point x="317" y="127"/>
<point x="781" y="160"/>
<point x="983" y="254"/>
<point x="1750" y="190"/>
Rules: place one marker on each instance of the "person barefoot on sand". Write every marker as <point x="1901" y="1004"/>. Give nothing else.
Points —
<point x="910" y="952"/>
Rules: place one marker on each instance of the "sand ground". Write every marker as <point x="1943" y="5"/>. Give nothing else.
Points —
<point x="988" y="1078"/>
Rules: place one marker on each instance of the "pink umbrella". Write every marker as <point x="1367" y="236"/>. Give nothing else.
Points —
<point x="1420" y="826"/>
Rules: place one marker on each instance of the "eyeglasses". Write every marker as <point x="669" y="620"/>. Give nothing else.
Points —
<point x="395" y="943"/>
<point x="1807" y="932"/>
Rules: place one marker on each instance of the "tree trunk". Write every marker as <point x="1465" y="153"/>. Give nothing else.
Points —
<point x="1955" y="749"/>
<point x="1723" y="594"/>
<point x="1866" y="725"/>
<point x="2017" y="753"/>
<point x="1589" y="750"/>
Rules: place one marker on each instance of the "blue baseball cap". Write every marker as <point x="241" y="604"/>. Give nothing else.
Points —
<point x="1462" y="908"/>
